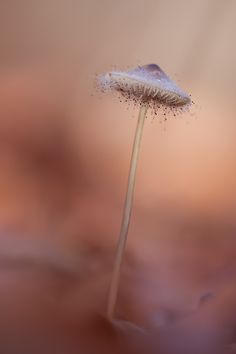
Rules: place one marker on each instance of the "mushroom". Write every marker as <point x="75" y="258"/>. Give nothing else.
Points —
<point x="149" y="87"/>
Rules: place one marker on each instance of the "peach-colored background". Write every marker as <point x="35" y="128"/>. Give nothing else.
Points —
<point x="65" y="151"/>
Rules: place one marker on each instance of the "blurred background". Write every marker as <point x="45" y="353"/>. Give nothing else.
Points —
<point x="64" y="158"/>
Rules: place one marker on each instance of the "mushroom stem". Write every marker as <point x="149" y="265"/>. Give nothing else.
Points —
<point x="112" y="296"/>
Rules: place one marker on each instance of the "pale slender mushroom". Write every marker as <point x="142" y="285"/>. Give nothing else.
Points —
<point x="150" y="87"/>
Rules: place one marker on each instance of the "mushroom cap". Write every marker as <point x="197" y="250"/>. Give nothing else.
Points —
<point x="146" y="83"/>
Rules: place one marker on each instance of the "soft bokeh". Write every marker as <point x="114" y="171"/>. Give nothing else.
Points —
<point x="65" y="151"/>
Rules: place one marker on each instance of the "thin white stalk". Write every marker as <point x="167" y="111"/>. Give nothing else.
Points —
<point x="112" y="297"/>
